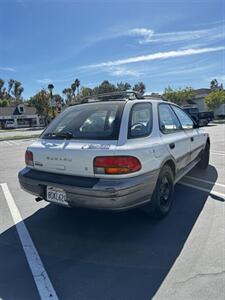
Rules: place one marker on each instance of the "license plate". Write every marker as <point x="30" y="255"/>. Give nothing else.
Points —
<point x="56" y="195"/>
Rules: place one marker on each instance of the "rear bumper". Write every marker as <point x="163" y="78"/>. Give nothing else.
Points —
<point x="107" y="194"/>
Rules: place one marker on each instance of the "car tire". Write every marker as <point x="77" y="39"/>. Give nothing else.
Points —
<point x="162" y="198"/>
<point x="204" y="157"/>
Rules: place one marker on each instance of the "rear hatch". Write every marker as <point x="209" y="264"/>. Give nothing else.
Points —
<point x="69" y="157"/>
<point x="72" y="141"/>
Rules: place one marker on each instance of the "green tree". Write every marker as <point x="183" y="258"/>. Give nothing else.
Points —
<point x="41" y="102"/>
<point x="68" y="92"/>
<point x="178" y="96"/>
<point x="86" y="92"/>
<point x="123" y="86"/>
<point x="105" y="87"/>
<point x="139" y="87"/>
<point x="215" y="99"/>
<point x="58" y="98"/>
<point x="4" y="94"/>
<point x="59" y="102"/>
<point x="4" y="103"/>
<point x="214" y="84"/>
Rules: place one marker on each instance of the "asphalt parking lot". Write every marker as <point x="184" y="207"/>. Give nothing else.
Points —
<point x="99" y="255"/>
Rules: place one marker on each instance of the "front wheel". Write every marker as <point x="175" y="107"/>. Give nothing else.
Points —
<point x="162" y="197"/>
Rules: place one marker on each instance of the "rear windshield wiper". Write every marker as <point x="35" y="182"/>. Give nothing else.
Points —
<point x="64" y="134"/>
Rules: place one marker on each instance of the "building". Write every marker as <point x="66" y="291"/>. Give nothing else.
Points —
<point x="20" y="116"/>
<point x="199" y="101"/>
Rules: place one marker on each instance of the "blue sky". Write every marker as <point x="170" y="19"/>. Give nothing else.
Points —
<point x="178" y="43"/>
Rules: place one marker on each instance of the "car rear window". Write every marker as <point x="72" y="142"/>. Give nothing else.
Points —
<point x="97" y="121"/>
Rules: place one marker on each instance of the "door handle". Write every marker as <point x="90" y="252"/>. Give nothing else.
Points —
<point x="172" y="146"/>
<point x="192" y="139"/>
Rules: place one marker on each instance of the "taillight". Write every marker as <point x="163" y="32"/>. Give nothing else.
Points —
<point x="116" y="165"/>
<point x="29" y="158"/>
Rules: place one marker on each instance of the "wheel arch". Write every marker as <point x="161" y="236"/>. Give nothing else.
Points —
<point x="171" y="163"/>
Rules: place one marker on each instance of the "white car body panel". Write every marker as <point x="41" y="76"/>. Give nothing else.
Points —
<point x="68" y="156"/>
<point x="75" y="157"/>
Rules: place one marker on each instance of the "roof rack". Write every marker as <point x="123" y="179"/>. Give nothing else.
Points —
<point x="120" y="95"/>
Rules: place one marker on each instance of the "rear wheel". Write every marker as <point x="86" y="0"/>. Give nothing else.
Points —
<point x="162" y="197"/>
<point x="204" y="158"/>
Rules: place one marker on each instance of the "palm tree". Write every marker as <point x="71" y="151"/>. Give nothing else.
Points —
<point x="77" y="83"/>
<point x="139" y="87"/>
<point x="123" y="86"/>
<point x="68" y="93"/>
<point x="10" y="85"/>
<point x="17" y="90"/>
<point x="73" y="88"/>
<point x="2" y="82"/>
<point x="50" y="88"/>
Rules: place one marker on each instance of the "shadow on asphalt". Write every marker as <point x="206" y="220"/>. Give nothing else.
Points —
<point x="99" y="255"/>
<point x="210" y="174"/>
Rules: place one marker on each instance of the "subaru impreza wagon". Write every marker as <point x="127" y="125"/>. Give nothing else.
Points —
<point x="115" y="153"/>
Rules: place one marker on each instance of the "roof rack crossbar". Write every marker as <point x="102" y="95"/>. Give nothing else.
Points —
<point x="119" y="93"/>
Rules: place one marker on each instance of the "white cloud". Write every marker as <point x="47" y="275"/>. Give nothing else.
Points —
<point x="149" y="36"/>
<point x="7" y="69"/>
<point x="183" y="70"/>
<point x="155" y="56"/>
<point x="47" y="80"/>
<point x="220" y="78"/>
<point x="44" y="81"/>
<point x="121" y="71"/>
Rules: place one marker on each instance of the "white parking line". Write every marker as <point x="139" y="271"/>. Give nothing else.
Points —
<point x="8" y="143"/>
<point x="42" y="281"/>
<point x="217" y="153"/>
<point x="205" y="181"/>
<point x="211" y="192"/>
<point x="15" y="143"/>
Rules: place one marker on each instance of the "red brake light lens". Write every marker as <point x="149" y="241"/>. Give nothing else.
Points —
<point x="115" y="165"/>
<point x="29" y="158"/>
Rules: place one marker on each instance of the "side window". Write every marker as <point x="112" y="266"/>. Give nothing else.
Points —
<point x="185" y="120"/>
<point x="140" y="122"/>
<point x="168" y="121"/>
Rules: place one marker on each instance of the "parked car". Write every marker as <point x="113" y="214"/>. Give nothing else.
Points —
<point x="201" y="118"/>
<point x="115" y="155"/>
<point x="9" y="124"/>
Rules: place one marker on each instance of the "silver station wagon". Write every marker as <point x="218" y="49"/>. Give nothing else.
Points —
<point x="115" y="152"/>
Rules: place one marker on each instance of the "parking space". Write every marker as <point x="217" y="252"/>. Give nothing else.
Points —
<point x="12" y="143"/>
<point x="99" y="255"/>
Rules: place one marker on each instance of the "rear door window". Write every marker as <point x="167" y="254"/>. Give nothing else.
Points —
<point x="140" y="122"/>
<point x="185" y="120"/>
<point x="88" y="121"/>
